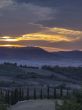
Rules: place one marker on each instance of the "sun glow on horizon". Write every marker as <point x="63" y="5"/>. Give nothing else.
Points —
<point x="11" y="45"/>
<point x="49" y="35"/>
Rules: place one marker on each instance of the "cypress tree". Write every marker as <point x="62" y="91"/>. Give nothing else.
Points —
<point x="61" y="92"/>
<point x="20" y="95"/>
<point x="12" y="98"/>
<point x="7" y="97"/>
<point x="1" y="92"/>
<point x="34" y="93"/>
<point x="41" y="94"/>
<point x="27" y="93"/>
<point x="16" y="95"/>
<point x="48" y="90"/>
<point x="67" y="92"/>
<point x="54" y="93"/>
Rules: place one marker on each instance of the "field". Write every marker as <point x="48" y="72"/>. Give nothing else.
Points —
<point x="12" y="75"/>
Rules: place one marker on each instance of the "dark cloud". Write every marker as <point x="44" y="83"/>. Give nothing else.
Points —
<point x="15" y="15"/>
<point x="53" y="3"/>
<point x="69" y="12"/>
<point x="21" y="19"/>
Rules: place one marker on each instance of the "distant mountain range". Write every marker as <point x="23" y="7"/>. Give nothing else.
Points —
<point x="33" y="53"/>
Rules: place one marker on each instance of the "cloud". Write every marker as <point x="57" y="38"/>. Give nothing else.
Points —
<point x="15" y="15"/>
<point x="19" y="19"/>
<point x="48" y="34"/>
<point x="55" y="38"/>
<point x="69" y="12"/>
<point x="5" y="3"/>
<point x="52" y="3"/>
<point x="45" y="23"/>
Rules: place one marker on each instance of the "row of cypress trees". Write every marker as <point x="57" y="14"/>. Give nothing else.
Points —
<point x="12" y="97"/>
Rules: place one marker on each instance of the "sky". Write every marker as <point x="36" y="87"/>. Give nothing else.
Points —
<point x="54" y="25"/>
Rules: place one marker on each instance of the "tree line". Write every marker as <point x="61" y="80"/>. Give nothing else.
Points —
<point x="11" y="97"/>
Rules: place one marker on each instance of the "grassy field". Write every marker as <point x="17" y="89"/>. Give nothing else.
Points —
<point x="12" y="75"/>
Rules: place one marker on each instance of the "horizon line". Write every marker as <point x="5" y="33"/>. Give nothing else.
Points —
<point x="11" y="47"/>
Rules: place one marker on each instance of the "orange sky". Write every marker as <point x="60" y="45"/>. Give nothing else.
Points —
<point x="43" y="39"/>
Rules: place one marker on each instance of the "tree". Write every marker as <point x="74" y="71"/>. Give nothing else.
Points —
<point x="70" y="105"/>
<point x="7" y="97"/>
<point x="34" y="93"/>
<point x="3" y="105"/>
<point x="27" y="93"/>
<point x="55" y="93"/>
<point x="41" y="94"/>
<point x="74" y="103"/>
<point x="48" y="90"/>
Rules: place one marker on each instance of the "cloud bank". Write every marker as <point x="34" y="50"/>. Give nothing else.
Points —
<point x="50" y="24"/>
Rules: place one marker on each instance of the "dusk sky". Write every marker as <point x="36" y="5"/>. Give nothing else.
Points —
<point x="53" y="25"/>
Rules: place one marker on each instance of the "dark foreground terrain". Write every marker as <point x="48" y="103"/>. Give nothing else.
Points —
<point x="20" y="83"/>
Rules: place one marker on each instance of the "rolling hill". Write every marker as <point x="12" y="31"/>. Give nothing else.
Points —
<point x="35" y="55"/>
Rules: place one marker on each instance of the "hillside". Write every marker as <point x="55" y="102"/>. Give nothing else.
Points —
<point x="38" y="56"/>
<point x="12" y="75"/>
<point x="38" y="53"/>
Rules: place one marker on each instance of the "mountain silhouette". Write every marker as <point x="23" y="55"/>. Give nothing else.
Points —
<point x="36" y="53"/>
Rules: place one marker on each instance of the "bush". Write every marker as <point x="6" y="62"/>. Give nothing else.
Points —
<point x="3" y="107"/>
<point x="70" y="105"/>
<point x="74" y="103"/>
